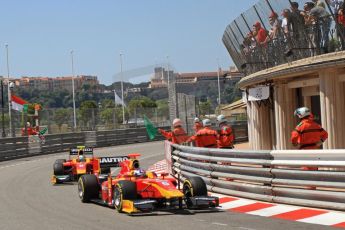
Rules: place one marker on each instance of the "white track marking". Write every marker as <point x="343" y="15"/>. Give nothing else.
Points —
<point x="275" y="210"/>
<point x="330" y="218"/>
<point x="220" y="224"/>
<point x="236" y="203"/>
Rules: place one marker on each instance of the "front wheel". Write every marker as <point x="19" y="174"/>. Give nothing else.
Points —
<point x="58" y="169"/>
<point x="124" y="190"/>
<point x="193" y="186"/>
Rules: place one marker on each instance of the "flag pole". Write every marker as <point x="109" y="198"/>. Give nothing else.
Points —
<point x="9" y="88"/>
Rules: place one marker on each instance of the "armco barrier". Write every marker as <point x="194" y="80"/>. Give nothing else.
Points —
<point x="273" y="176"/>
<point x="18" y="147"/>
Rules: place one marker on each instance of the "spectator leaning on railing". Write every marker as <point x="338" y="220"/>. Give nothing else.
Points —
<point x="286" y="28"/>
<point x="341" y="22"/>
<point x="336" y="4"/>
<point x="298" y="28"/>
<point x="311" y="28"/>
<point x="261" y="34"/>
<point x="273" y="38"/>
<point x="322" y="22"/>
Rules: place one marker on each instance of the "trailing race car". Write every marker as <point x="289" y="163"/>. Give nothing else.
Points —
<point x="81" y="161"/>
<point x="134" y="190"/>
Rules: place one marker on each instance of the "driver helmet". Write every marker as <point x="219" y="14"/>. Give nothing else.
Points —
<point x="139" y="172"/>
<point x="81" y="158"/>
<point x="196" y="120"/>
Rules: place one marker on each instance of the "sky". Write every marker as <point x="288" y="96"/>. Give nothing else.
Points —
<point x="40" y="35"/>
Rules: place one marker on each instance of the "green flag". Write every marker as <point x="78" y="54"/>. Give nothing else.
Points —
<point x="43" y="131"/>
<point x="25" y="108"/>
<point x="150" y="128"/>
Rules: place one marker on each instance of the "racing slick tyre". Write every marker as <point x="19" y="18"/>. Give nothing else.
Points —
<point x="88" y="187"/>
<point x="124" y="190"/>
<point x="60" y="161"/>
<point x="193" y="186"/>
<point x="58" y="168"/>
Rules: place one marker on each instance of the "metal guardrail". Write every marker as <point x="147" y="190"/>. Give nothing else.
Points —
<point x="273" y="176"/>
<point x="19" y="147"/>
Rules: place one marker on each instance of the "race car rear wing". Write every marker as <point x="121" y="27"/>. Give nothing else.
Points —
<point x="106" y="163"/>
<point x="81" y="151"/>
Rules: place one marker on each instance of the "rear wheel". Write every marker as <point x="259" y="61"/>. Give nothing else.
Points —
<point x="88" y="187"/>
<point x="193" y="186"/>
<point x="124" y="190"/>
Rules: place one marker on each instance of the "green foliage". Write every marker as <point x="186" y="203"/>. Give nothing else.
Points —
<point x="232" y="94"/>
<point x="107" y="116"/>
<point x="6" y="119"/>
<point x="162" y="107"/>
<point x="205" y="107"/>
<point x="141" y="102"/>
<point x="107" y="103"/>
<point x="87" y="111"/>
<point x="62" y="116"/>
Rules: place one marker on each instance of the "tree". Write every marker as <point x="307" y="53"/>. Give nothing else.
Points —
<point x="62" y="116"/>
<point x="163" y="108"/>
<point x="232" y="94"/>
<point x="88" y="112"/>
<point x="107" y="103"/>
<point x="140" y="103"/>
<point x="107" y="116"/>
<point x="205" y="107"/>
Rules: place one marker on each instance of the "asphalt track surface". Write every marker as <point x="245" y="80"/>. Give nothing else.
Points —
<point x="28" y="201"/>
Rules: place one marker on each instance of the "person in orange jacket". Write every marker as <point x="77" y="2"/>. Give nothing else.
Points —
<point x="308" y="134"/>
<point x="226" y="136"/>
<point x="30" y="130"/>
<point x="197" y="125"/>
<point x="178" y="135"/>
<point x="205" y="137"/>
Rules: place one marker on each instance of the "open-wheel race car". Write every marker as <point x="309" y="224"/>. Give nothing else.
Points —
<point x="134" y="190"/>
<point x="81" y="161"/>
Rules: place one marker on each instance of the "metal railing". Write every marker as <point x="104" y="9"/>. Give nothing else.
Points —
<point x="98" y="119"/>
<point x="314" y="178"/>
<point x="274" y="32"/>
<point x="19" y="147"/>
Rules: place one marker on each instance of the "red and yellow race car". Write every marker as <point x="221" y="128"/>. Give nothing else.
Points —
<point x="134" y="190"/>
<point x="81" y="161"/>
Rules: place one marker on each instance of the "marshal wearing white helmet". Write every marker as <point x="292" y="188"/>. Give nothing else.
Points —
<point x="177" y="122"/>
<point x="196" y="127"/>
<point x="178" y="135"/>
<point x="308" y="134"/>
<point x="205" y="137"/>
<point x="226" y="136"/>
<point x="302" y="112"/>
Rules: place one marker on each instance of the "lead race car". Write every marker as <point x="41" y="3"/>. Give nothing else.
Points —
<point x="134" y="190"/>
<point x="82" y="161"/>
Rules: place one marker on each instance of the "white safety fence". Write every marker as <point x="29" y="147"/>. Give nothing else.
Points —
<point x="314" y="178"/>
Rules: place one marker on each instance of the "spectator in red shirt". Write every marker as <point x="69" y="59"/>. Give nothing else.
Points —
<point x="261" y="34"/>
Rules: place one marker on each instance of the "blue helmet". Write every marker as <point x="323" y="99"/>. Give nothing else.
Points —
<point x="139" y="172"/>
<point x="81" y="158"/>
